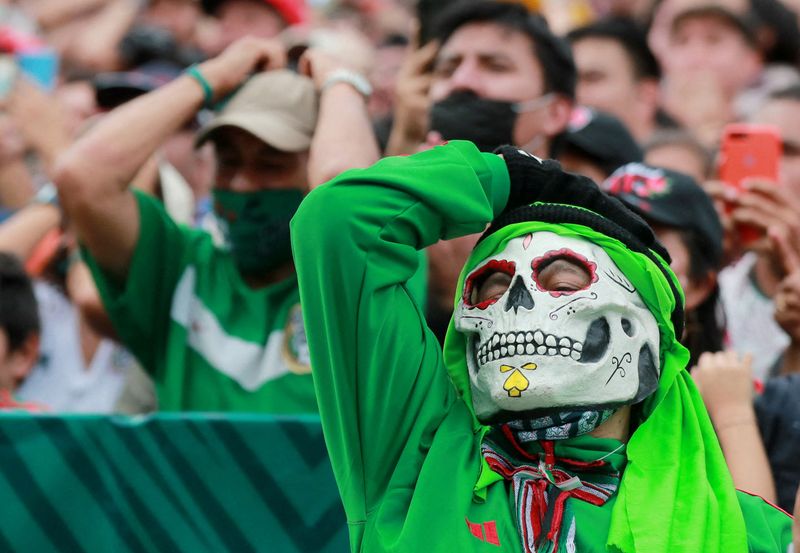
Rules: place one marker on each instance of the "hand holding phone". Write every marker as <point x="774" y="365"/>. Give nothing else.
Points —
<point x="748" y="152"/>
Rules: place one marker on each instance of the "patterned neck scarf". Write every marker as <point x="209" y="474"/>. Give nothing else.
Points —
<point x="542" y="483"/>
<point x="559" y="426"/>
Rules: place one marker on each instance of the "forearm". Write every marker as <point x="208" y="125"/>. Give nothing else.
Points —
<point x="343" y="138"/>
<point x="22" y="232"/>
<point x="107" y="158"/>
<point x="94" y="175"/>
<point x="744" y="451"/>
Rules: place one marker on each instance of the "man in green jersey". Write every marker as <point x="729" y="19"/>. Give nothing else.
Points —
<point x="560" y="416"/>
<point x="220" y="329"/>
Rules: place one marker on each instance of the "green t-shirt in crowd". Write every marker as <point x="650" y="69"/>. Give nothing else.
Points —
<point x="210" y="342"/>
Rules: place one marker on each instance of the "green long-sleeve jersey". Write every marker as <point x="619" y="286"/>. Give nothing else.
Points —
<point x="404" y="446"/>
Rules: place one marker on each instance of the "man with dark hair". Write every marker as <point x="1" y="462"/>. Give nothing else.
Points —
<point x="618" y="73"/>
<point x="19" y="330"/>
<point x="499" y="77"/>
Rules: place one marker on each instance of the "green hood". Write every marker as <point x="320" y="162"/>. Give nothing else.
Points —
<point x="674" y="459"/>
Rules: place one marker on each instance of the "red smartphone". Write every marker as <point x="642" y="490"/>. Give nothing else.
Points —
<point x="749" y="151"/>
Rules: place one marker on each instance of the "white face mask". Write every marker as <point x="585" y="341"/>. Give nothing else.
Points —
<point x="534" y="349"/>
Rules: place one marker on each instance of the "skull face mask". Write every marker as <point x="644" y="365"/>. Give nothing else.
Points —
<point x="552" y="325"/>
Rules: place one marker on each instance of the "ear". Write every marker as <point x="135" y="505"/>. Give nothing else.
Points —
<point x="24" y="358"/>
<point x="698" y="290"/>
<point x="557" y="114"/>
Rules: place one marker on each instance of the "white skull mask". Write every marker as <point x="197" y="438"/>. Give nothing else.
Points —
<point x="537" y="349"/>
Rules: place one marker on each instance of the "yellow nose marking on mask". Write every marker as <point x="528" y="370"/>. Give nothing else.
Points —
<point x="516" y="383"/>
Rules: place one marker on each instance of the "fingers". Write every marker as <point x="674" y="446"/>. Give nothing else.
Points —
<point x="725" y="360"/>
<point x="304" y="64"/>
<point x="761" y="185"/>
<point x="771" y="190"/>
<point x="416" y="29"/>
<point x="272" y="55"/>
<point x="420" y="62"/>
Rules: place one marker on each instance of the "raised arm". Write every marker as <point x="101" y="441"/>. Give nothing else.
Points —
<point x="377" y="368"/>
<point x="343" y="138"/>
<point x="726" y="384"/>
<point x="94" y="175"/>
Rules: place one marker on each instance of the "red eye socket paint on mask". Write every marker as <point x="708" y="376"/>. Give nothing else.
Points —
<point x="539" y="264"/>
<point x="478" y="277"/>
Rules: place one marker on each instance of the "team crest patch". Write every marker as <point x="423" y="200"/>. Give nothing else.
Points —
<point x="295" y="346"/>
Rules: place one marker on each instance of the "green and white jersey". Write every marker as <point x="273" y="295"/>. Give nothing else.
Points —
<point x="210" y="342"/>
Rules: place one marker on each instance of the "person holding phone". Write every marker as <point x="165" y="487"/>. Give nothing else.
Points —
<point x="771" y="209"/>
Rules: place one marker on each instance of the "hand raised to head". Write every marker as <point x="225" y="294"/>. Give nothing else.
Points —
<point x="239" y="60"/>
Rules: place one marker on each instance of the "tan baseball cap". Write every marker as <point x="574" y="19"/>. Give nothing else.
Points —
<point x="279" y="107"/>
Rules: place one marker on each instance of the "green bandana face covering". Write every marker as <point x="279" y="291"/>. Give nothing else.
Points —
<point x="256" y="226"/>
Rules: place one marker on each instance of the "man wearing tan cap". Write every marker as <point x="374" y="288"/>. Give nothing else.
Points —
<point x="220" y="329"/>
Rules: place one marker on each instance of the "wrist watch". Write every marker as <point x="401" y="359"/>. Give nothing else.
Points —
<point x="356" y="80"/>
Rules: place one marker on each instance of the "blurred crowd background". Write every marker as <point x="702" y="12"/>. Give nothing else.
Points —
<point x="643" y="104"/>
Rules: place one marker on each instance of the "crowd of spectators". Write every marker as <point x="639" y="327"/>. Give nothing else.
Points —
<point x="152" y="153"/>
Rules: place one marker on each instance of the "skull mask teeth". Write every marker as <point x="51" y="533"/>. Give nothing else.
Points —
<point x="528" y="343"/>
<point x="533" y="348"/>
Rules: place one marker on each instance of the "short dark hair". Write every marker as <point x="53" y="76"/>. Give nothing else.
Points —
<point x="630" y="36"/>
<point x="19" y="314"/>
<point x="554" y="53"/>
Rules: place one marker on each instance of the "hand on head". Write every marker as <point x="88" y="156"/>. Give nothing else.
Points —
<point x="319" y="65"/>
<point x="239" y="60"/>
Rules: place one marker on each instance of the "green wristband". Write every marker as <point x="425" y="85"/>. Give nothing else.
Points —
<point x="208" y="92"/>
